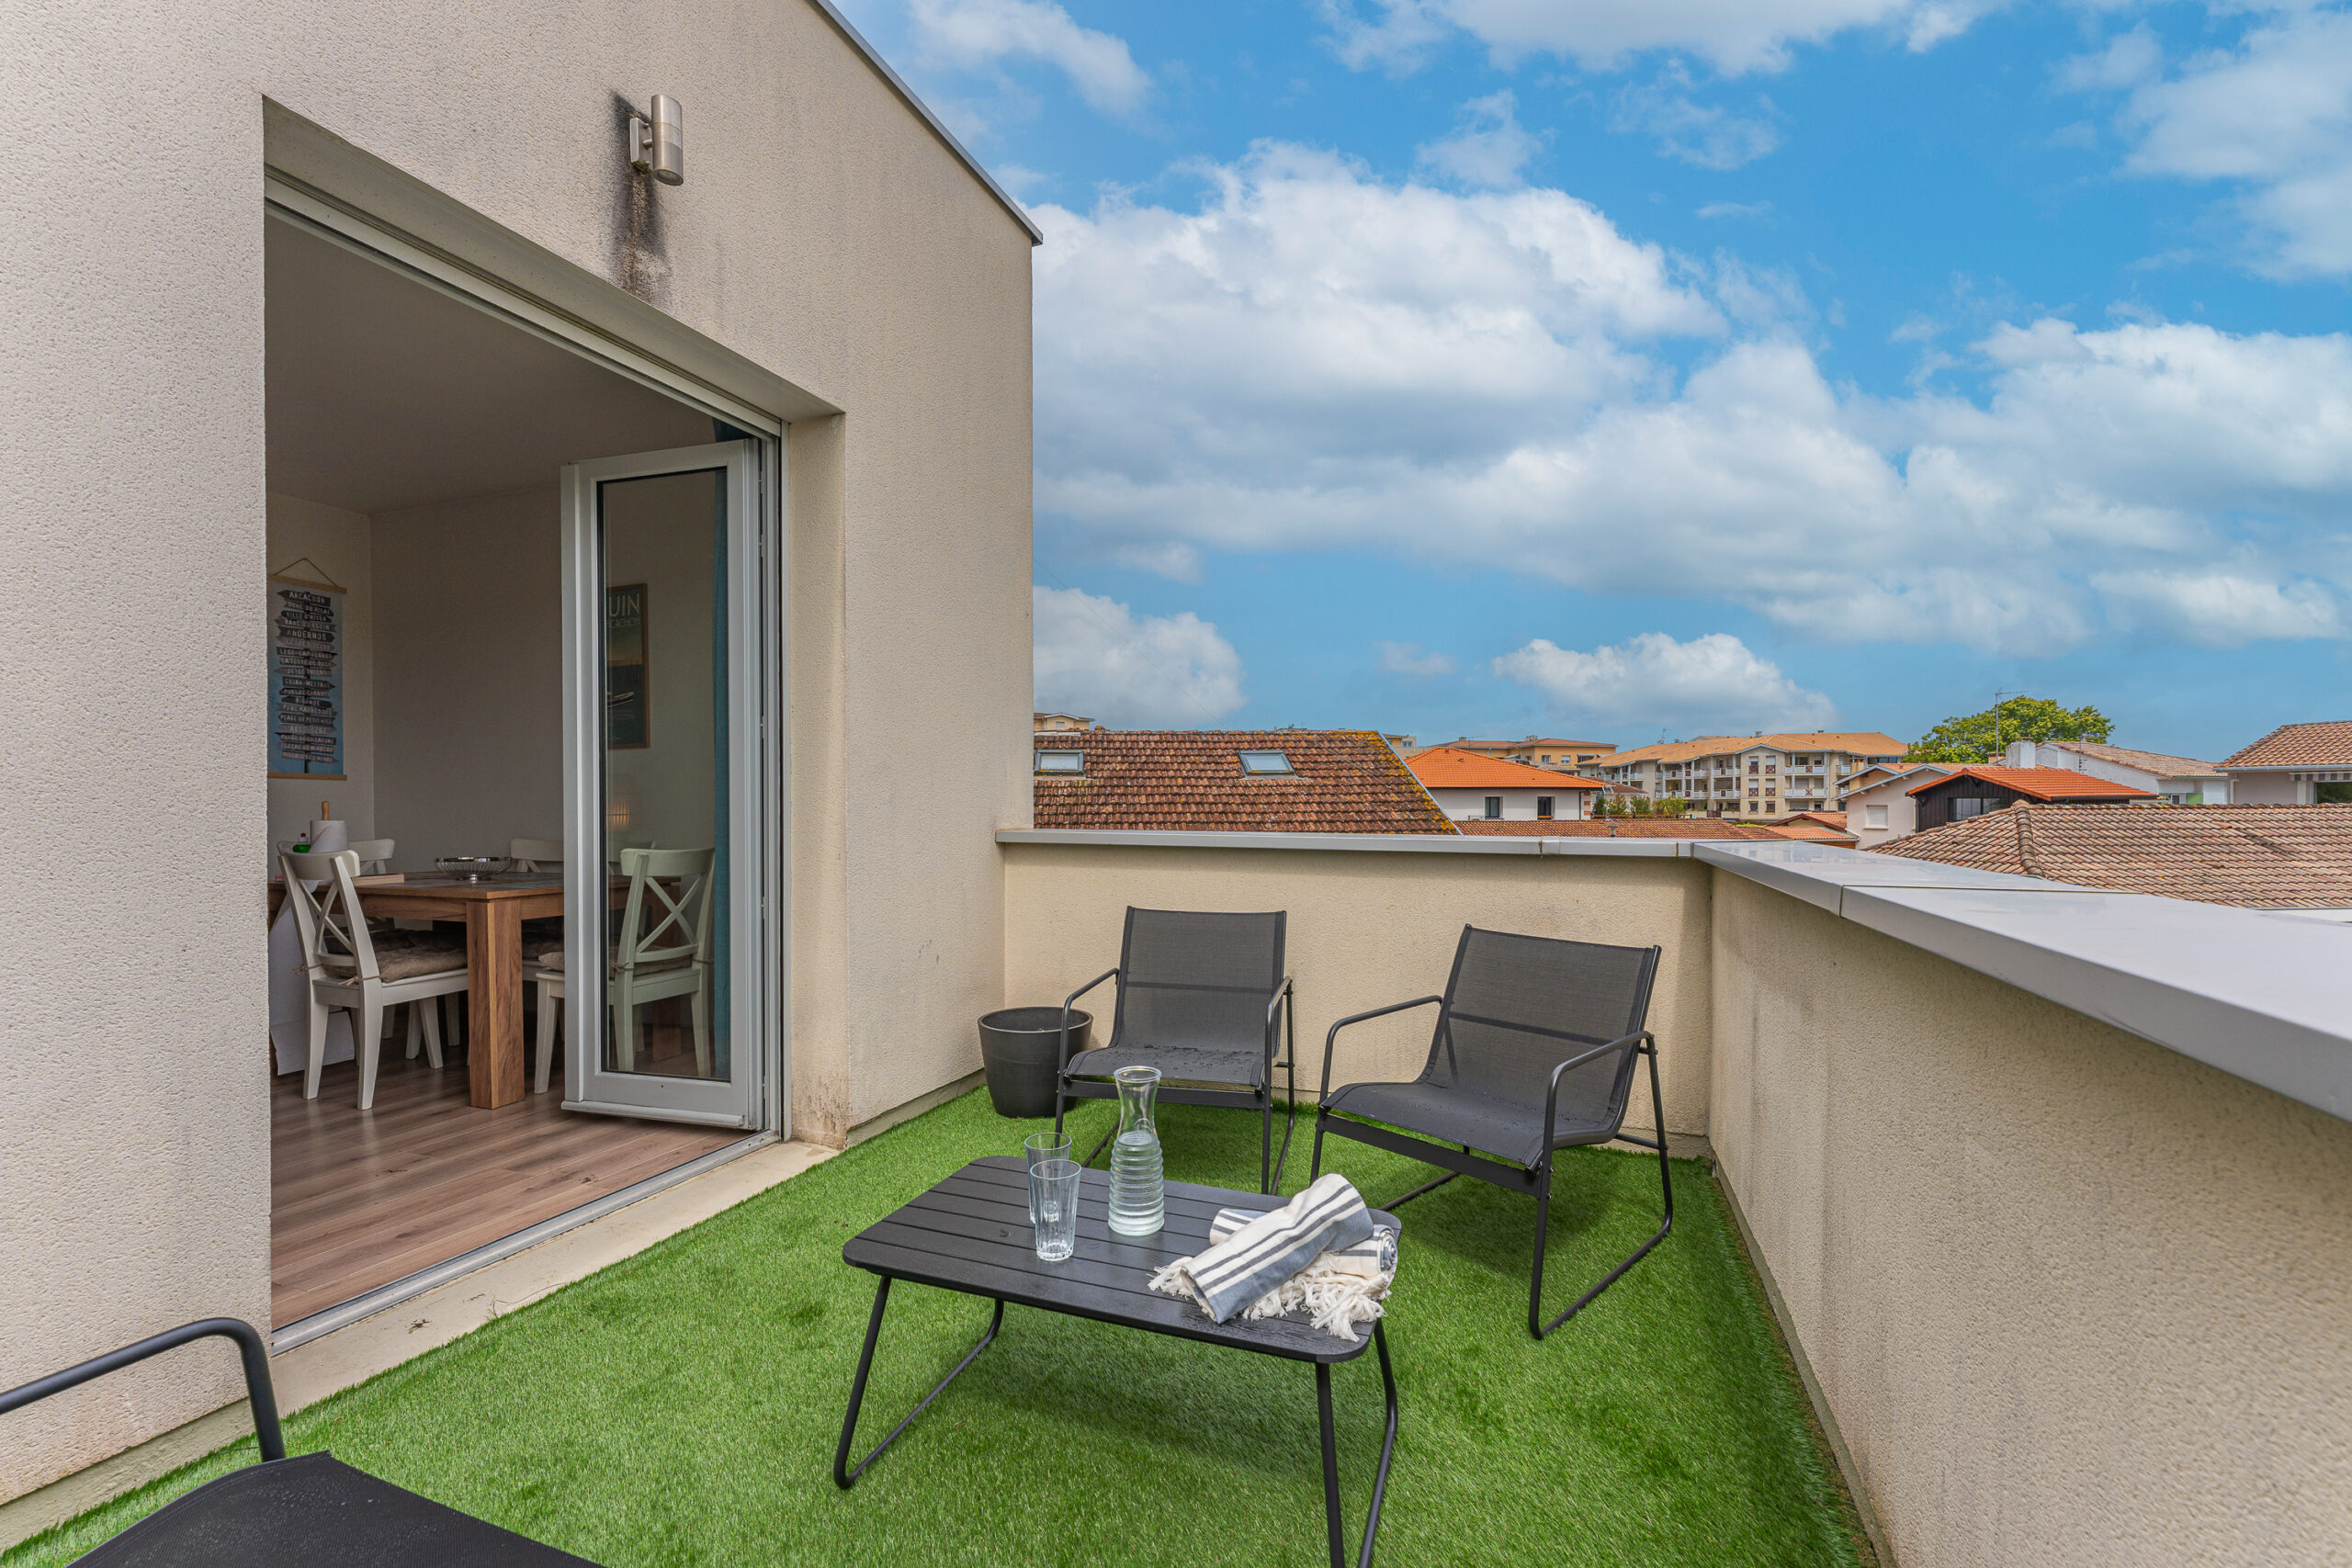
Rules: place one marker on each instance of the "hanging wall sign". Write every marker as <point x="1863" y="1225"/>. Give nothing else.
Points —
<point x="628" y="722"/>
<point x="305" y="680"/>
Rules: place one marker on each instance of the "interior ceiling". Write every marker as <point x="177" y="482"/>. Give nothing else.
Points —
<point x="384" y="393"/>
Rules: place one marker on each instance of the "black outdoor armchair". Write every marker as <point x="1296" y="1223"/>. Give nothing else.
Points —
<point x="288" y="1513"/>
<point x="1533" y="1051"/>
<point x="1202" y="997"/>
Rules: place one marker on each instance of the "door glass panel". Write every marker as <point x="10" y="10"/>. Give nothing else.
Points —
<point x="665" y="774"/>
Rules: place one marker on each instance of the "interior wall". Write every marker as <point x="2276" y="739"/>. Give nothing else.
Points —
<point x="657" y="533"/>
<point x="339" y="544"/>
<point x="469" y="676"/>
<point x="2073" y="1298"/>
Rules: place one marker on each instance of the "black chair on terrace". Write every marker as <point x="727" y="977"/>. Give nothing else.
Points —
<point x="288" y="1513"/>
<point x="1534" y="1050"/>
<point x="1198" y="998"/>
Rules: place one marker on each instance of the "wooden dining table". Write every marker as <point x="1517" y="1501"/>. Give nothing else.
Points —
<point x="494" y="909"/>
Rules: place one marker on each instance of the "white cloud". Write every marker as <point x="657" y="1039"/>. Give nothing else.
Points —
<point x="1732" y="36"/>
<point x="1406" y="659"/>
<point x="1096" y="656"/>
<point x="2272" y="116"/>
<point x="1712" y="682"/>
<point x="1488" y="146"/>
<point x="972" y="35"/>
<point x="1707" y="135"/>
<point x="2217" y="609"/>
<point x="2128" y="60"/>
<point x="1737" y="209"/>
<point x="1312" y="359"/>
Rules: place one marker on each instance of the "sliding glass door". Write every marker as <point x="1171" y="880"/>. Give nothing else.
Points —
<point x="666" y="615"/>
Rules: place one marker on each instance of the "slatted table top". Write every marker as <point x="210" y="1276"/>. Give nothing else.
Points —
<point x="971" y="1233"/>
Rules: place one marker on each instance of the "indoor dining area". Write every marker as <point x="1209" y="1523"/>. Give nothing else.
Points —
<point x="506" y="606"/>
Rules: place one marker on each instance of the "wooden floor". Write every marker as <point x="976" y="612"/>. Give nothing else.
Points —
<point x="361" y="1198"/>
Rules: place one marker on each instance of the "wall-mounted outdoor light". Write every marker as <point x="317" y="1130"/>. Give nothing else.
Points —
<point x="660" y="146"/>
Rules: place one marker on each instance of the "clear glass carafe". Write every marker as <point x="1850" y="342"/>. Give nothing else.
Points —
<point x="1138" y="1188"/>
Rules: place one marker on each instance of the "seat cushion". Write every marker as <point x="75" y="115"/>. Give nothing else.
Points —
<point x="1177" y="1064"/>
<point x="1458" y="1116"/>
<point x="312" y="1509"/>
<point x="424" y="952"/>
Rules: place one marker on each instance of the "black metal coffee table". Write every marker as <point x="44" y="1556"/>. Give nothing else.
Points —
<point x="971" y="1234"/>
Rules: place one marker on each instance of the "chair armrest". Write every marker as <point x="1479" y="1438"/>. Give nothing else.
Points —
<point x="1066" y="1007"/>
<point x="1552" y="1091"/>
<point x="1377" y="1013"/>
<point x="1280" y="992"/>
<point x="249" y="1348"/>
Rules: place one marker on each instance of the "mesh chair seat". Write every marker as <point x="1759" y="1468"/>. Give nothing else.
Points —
<point x="314" y="1508"/>
<point x="1177" y="1064"/>
<point x="1513" y="1130"/>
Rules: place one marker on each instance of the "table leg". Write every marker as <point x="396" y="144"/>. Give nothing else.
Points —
<point x="1332" y="1522"/>
<point x="494" y="1003"/>
<point x="844" y="1476"/>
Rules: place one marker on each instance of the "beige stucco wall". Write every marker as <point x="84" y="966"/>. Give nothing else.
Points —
<point x="825" y="234"/>
<point x="1370" y="928"/>
<point x="2073" y="1298"/>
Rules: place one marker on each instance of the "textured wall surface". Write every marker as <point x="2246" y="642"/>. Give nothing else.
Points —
<point x="824" y="234"/>
<point x="1372" y="928"/>
<point x="2072" y="1297"/>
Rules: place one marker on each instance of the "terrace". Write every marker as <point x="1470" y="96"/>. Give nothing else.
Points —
<point x="2017" y="1230"/>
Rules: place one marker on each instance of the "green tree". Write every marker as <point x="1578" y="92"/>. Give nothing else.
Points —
<point x="1673" y="805"/>
<point x="1972" y="737"/>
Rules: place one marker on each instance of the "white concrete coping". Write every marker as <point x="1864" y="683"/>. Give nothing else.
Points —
<point x="2264" y="999"/>
<point x="2261" y="996"/>
<point x="1378" y="843"/>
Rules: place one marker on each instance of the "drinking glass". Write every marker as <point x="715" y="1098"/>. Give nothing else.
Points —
<point x="1038" y="1148"/>
<point x="1052" y="1198"/>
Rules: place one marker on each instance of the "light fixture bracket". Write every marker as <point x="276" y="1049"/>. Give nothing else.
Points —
<point x="657" y="141"/>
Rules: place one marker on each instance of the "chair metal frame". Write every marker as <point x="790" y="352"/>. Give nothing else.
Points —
<point x="1510" y="1174"/>
<point x="1270" y="1167"/>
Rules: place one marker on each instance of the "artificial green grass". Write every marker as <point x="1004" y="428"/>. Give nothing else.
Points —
<point x="682" y="1406"/>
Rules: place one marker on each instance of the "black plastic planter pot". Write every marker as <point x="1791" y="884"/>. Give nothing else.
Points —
<point x="1021" y="1051"/>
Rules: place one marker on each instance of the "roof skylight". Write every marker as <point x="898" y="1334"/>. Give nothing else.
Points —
<point x="1062" y="761"/>
<point x="1265" y="764"/>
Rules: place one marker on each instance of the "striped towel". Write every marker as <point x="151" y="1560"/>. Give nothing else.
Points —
<point x="1320" y="1253"/>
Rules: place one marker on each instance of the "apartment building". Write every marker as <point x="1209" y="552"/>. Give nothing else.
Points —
<point x="1760" y="776"/>
<point x="1539" y="752"/>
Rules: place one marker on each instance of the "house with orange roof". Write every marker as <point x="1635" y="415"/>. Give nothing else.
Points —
<point x="1539" y="752"/>
<point x="2295" y="764"/>
<point x="1974" y="790"/>
<point x="1468" y="785"/>
<point x="2182" y="781"/>
<point x="1755" y="777"/>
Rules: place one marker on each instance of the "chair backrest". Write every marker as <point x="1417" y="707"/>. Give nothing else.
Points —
<point x="660" y="925"/>
<point x="536" y="854"/>
<point x="1516" y="1007"/>
<point x="1202" y="979"/>
<point x="375" y="855"/>
<point x="335" y="943"/>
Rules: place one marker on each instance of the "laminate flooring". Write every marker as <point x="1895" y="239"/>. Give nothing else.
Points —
<point x="361" y="1198"/>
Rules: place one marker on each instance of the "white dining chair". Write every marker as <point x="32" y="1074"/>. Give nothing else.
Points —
<point x="348" y="967"/>
<point x="536" y="854"/>
<point x="663" y="951"/>
<point x="374" y="854"/>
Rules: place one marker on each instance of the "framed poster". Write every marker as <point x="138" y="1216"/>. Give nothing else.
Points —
<point x="305" y="678"/>
<point x="629" y="722"/>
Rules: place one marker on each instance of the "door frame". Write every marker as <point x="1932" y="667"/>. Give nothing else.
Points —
<point x="449" y="248"/>
<point x="753" y="604"/>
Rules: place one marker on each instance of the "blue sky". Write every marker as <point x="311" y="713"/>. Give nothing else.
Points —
<point x="1638" y="367"/>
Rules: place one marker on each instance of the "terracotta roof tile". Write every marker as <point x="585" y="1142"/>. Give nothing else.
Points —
<point x="1344" y="781"/>
<point x="1450" y="767"/>
<point x="2259" y="857"/>
<point x="2046" y="784"/>
<point x="2327" y="745"/>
